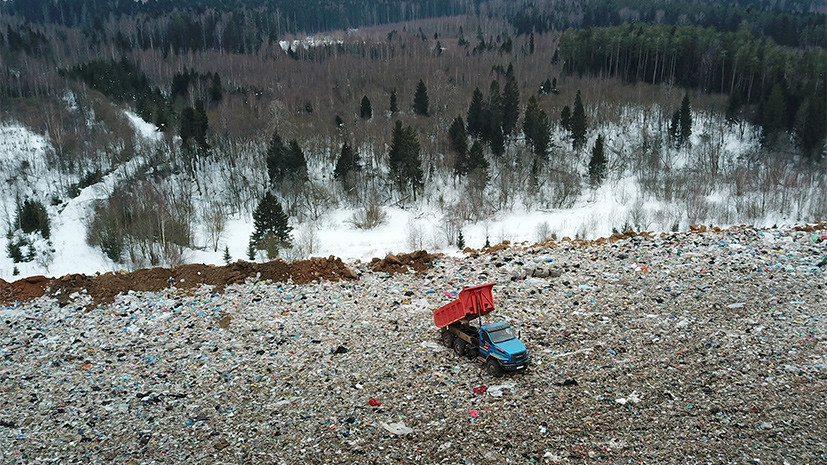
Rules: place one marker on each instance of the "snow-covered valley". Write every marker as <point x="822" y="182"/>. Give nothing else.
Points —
<point x="704" y="180"/>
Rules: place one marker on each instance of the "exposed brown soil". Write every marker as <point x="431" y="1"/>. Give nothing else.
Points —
<point x="418" y="261"/>
<point x="104" y="287"/>
<point x="817" y="226"/>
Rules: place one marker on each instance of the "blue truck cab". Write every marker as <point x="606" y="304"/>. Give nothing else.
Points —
<point x="502" y="349"/>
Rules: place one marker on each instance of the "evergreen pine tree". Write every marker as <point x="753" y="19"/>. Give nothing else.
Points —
<point x="297" y="164"/>
<point x="545" y="87"/>
<point x="685" y="120"/>
<point x="511" y="104"/>
<point x="733" y="104"/>
<point x="597" y="164"/>
<point x="476" y="158"/>
<point x="162" y="118"/>
<point x="475" y="116"/>
<point x="675" y="129"/>
<point x="348" y="162"/>
<point x="813" y="129"/>
<point x="536" y="127"/>
<point x="773" y="115"/>
<point x="460" y="241"/>
<point x="578" y="123"/>
<point x="458" y="140"/>
<point x="13" y="248"/>
<point x="478" y="174"/>
<point x="404" y="159"/>
<point x="496" y="139"/>
<point x="251" y="250"/>
<point x="32" y="216"/>
<point x="270" y="220"/>
<point x="178" y="88"/>
<point x="494" y="108"/>
<point x="201" y="125"/>
<point x="493" y="129"/>
<point x="278" y="165"/>
<point x="420" y="103"/>
<point x="365" y="110"/>
<point x="215" y="91"/>
<point x="530" y="121"/>
<point x="187" y="125"/>
<point x="565" y="118"/>
<point x="227" y="257"/>
<point x="393" y="106"/>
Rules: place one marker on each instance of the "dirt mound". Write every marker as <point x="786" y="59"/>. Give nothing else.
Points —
<point x="24" y="289"/>
<point x="817" y="226"/>
<point x="104" y="287"/>
<point x="418" y="261"/>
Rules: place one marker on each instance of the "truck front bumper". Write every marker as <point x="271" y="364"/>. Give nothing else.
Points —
<point x="511" y="366"/>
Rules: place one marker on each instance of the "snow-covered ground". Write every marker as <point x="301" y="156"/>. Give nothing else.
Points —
<point x="595" y="213"/>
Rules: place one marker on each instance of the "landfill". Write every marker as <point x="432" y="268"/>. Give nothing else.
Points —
<point x="699" y="347"/>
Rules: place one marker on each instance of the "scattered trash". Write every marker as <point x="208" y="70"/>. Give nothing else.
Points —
<point x="633" y="398"/>
<point x="568" y="382"/>
<point x="433" y="346"/>
<point x="221" y="444"/>
<point x="722" y="347"/>
<point x="225" y="320"/>
<point x="497" y="389"/>
<point x="398" y="429"/>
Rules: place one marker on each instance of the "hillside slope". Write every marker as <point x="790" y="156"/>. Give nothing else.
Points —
<point x="510" y="207"/>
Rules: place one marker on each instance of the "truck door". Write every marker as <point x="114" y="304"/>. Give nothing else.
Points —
<point x="485" y="343"/>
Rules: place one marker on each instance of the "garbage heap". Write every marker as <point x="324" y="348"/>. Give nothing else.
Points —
<point x="703" y="347"/>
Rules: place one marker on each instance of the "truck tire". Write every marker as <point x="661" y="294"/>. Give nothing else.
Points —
<point x="447" y="339"/>
<point x="492" y="366"/>
<point x="459" y="347"/>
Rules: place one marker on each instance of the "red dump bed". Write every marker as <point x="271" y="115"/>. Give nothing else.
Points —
<point x="472" y="301"/>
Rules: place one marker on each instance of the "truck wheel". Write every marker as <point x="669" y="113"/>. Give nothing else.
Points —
<point x="459" y="347"/>
<point x="447" y="339"/>
<point x="492" y="366"/>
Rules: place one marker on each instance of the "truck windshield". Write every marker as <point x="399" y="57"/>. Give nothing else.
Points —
<point x="500" y="335"/>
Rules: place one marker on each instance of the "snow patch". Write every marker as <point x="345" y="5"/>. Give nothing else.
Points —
<point x="144" y="129"/>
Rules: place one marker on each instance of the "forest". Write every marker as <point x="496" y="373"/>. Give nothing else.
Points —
<point x="282" y="111"/>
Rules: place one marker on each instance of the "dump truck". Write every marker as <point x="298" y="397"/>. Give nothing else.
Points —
<point x="495" y="344"/>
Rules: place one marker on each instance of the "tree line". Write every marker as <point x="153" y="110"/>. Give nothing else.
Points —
<point x="238" y="26"/>
<point x="793" y="23"/>
<point x="243" y="26"/>
<point x="786" y="87"/>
